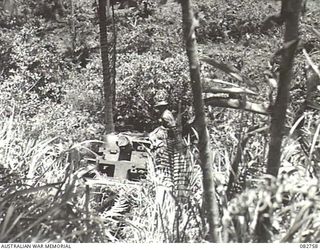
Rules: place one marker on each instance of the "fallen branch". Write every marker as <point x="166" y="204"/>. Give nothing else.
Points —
<point x="219" y="81"/>
<point x="207" y="87"/>
<point x="237" y="104"/>
<point x="228" y="69"/>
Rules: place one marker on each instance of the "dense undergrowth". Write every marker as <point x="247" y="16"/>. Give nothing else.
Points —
<point x="51" y="107"/>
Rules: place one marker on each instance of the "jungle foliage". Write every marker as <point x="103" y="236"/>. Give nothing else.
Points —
<point x="52" y="115"/>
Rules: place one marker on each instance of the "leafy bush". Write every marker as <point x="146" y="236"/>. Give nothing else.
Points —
<point x="234" y="20"/>
<point x="141" y="77"/>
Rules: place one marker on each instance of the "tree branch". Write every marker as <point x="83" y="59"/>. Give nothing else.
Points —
<point x="207" y="87"/>
<point x="209" y="192"/>
<point x="237" y="104"/>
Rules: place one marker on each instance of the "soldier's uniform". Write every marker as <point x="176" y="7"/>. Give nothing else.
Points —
<point x="170" y="163"/>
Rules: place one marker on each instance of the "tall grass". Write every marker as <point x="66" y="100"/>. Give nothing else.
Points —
<point x="43" y="197"/>
<point x="162" y="214"/>
<point x="292" y="198"/>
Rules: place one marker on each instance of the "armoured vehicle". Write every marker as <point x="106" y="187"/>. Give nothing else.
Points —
<point x="123" y="156"/>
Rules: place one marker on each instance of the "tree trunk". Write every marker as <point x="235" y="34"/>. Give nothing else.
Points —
<point x="278" y="117"/>
<point x="107" y="86"/>
<point x="114" y="55"/>
<point x="108" y="9"/>
<point x="73" y="28"/>
<point x="263" y="231"/>
<point x="204" y="141"/>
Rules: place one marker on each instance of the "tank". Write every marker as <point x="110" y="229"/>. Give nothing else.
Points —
<point x="122" y="157"/>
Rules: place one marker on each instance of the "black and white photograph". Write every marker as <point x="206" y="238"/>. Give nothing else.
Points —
<point x="159" y="121"/>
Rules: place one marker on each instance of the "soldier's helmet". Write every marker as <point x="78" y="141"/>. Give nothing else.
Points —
<point x="160" y="98"/>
